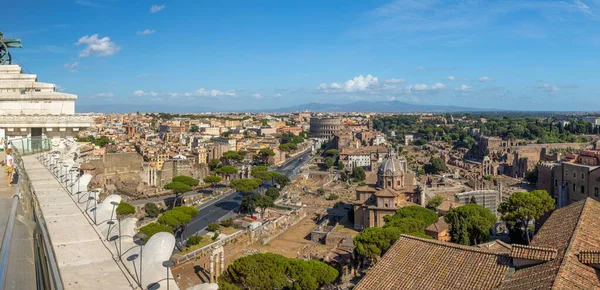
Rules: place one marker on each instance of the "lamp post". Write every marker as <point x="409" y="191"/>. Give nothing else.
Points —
<point x="141" y="237"/>
<point x="168" y="264"/>
<point x="110" y="221"/>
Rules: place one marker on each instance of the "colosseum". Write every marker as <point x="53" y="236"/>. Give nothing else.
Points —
<point x="325" y="127"/>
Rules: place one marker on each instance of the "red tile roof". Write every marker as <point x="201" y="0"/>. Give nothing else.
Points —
<point x="416" y="263"/>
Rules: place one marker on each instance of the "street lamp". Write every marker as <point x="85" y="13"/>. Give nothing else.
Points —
<point x="168" y="264"/>
<point x="140" y="237"/>
<point x="110" y="221"/>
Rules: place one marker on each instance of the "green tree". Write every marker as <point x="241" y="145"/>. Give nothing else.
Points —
<point x="151" y="209"/>
<point x="191" y="181"/>
<point x="476" y="220"/>
<point x="188" y="210"/>
<point x="249" y="203"/>
<point x="340" y="165"/>
<point x="434" y="202"/>
<point x="358" y="173"/>
<point x="280" y="179"/>
<point x="179" y="189"/>
<point x="435" y="166"/>
<point x="264" y="155"/>
<point x="244" y="185"/>
<point x="424" y="215"/>
<point x="263" y="202"/>
<point x="273" y="193"/>
<point x="213" y="180"/>
<point x="227" y="170"/>
<point x="213" y="163"/>
<point x="214" y="227"/>
<point x="194" y="128"/>
<point x="329" y="162"/>
<point x="174" y="218"/>
<point x="124" y="209"/>
<point x="283" y="273"/>
<point x="152" y="228"/>
<point x="526" y="207"/>
<point x="231" y="155"/>
<point x="332" y="153"/>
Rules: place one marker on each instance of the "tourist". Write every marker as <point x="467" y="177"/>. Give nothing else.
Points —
<point x="9" y="166"/>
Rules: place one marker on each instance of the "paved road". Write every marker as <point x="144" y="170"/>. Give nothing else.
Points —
<point x="214" y="210"/>
<point x="211" y="212"/>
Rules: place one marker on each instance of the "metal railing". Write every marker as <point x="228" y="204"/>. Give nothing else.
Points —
<point x="46" y="267"/>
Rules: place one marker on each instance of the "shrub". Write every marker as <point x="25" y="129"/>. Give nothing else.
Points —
<point x="214" y="227"/>
<point x="333" y="196"/>
<point x="227" y="223"/>
<point x="152" y="228"/>
<point x="194" y="240"/>
<point x="124" y="209"/>
<point x="151" y="209"/>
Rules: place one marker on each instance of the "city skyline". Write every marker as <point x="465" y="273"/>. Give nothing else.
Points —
<point x="509" y="55"/>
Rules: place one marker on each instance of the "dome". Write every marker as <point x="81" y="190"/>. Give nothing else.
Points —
<point x="392" y="165"/>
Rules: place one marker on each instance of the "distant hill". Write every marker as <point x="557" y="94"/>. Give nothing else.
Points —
<point x="381" y="107"/>
<point x="362" y="106"/>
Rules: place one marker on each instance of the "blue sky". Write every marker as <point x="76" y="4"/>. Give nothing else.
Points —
<point x="529" y="55"/>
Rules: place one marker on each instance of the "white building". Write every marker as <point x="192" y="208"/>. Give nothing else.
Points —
<point x="29" y="108"/>
<point x="355" y="157"/>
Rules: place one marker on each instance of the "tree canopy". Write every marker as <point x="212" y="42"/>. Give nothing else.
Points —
<point x="178" y="187"/>
<point x="435" y="165"/>
<point x="434" y="202"/>
<point x="191" y="181"/>
<point x="227" y="170"/>
<point x="329" y="162"/>
<point x="244" y="185"/>
<point x="174" y="218"/>
<point x="470" y="224"/>
<point x="424" y="215"/>
<point x="524" y="207"/>
<point x="231" y="155"/>
<point x="212" y="179"/>
<point x="251" y="272"/>
<point x="358" y="173"/>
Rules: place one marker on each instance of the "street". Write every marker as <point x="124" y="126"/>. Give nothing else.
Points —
<point x="216" y="209"/>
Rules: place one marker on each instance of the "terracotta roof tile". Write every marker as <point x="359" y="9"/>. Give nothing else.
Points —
<point x="533" y="253"/>
<point x="589" y="257"/>
<point x="416" y="263"/>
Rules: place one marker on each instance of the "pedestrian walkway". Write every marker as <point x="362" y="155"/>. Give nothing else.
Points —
<point x="20" y="273"/>
<point x="83" y="259"/>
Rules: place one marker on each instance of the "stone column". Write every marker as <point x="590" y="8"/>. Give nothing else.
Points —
<point x="222" y="264"/>
<point x="212" y="268"/>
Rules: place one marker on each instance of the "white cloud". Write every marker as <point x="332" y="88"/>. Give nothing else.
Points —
<point x="153" y="94"/>
<point x="485" y="79"/>
<point x="111" y="83"/>
<point x="156" y="8"/>
<point x="146" y="32"/>
<point x="212" y="93"/>
<point x="277" y="95"/>
<point x="72" y="66"/>
<point x="547" y="88"/>
<point x="423" y="88"/>
<point x="453" y="78"/>
<point x="143" y="75"/>
<point x="582" y="7"/>
<point x="98" y="46"/>
<point x="139" y="93"/>
<point x="464" y="88"/>
<point x="420" y="68"/>
<point x="358" y="84"/>
<point x="257" y="96"/>
<point x="393" y="81"/>
<point x="438" y="86"/>
<point x="107" y="95"/>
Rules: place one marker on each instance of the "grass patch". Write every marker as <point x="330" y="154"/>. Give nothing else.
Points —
<point x="205" y="241"/>
<point x="228" y="230"/>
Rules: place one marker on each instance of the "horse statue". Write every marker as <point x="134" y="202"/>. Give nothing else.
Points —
<point x="5" y="44"/>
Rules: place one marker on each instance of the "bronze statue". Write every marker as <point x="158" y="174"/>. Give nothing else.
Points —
<point x="5" y="44"/>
